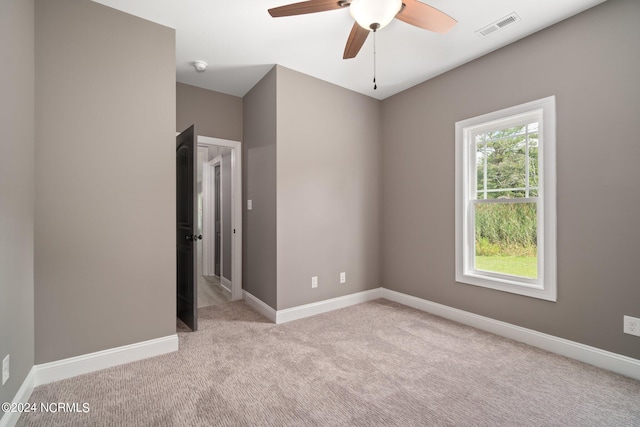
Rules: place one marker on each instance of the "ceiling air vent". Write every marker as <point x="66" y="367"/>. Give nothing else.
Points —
<point x="498" y="25"/>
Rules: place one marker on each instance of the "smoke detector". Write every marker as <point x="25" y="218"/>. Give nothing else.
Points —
<point x="200" y="66"/>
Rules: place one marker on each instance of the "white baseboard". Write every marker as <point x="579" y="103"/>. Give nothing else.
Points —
<point x="594" y="356"/>
<point x="259" y="306"/>
<point x="225" y="283"/>
<point x="10" y="419"/>
<point x="61" y="369"/>
<point x="67" y="368"/>
<point x="302" y="311"/>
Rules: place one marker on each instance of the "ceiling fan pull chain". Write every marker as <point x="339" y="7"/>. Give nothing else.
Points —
<point x="375" y="86"/>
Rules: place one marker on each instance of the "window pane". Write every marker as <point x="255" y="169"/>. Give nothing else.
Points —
<point x="506" y="238"/>
<point x="480" y="148"/>
<point x="533" y="159"/>
<point x="506" y="157"/>
<point x="517" y="130"/>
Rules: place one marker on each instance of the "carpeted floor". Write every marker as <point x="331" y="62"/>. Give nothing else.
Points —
<point x="373" y="364"/>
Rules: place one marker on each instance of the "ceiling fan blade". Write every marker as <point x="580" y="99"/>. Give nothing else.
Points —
<point x="424" y="16"/>
<point x="311" y="6"/>
<point x="356" y="39"/>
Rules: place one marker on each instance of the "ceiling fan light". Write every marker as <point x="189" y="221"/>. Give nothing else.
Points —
<point x="367" y="13"/>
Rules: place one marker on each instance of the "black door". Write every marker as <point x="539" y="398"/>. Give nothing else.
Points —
<point x="186" y="220"/>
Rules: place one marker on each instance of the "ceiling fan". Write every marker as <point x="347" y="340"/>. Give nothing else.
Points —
<point x="371" y="15"/>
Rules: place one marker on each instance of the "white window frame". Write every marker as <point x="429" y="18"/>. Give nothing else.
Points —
<point x="544" y="286"/>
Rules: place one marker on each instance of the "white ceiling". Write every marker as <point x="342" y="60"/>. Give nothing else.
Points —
<point x="241" y="42"/>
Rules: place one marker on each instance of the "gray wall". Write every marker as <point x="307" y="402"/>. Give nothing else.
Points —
<point x="215" y="114"/>
<point x="591" y="63"/>
<point x="105" y="179"/>
<point x="313" y="175"/>
<point x="259" y="185"/>
<point x="16" y="190"/>
<point x="328" y="189"/>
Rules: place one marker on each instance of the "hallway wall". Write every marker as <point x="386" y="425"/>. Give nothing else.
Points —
<point x="259" y="185"/>
<point x="215" y="114"/>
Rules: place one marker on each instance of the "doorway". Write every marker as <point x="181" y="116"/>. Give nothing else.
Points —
<point x="189" y="225"/>
<point x="214" y="277"/>
<point x="220" y="204"/>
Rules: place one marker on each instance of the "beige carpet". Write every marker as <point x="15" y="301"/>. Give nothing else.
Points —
<point x="373" y="364"/>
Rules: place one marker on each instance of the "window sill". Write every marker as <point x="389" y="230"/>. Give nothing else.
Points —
<point x="511" y="286"/>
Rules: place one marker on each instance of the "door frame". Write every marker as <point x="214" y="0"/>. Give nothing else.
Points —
<point x="236" y="209"/>
<point x="208" y="219"/>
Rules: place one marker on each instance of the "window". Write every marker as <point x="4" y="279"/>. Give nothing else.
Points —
<point x="505" y="200"/>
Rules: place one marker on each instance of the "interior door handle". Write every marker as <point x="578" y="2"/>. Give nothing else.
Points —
<point x="199" y="237"/>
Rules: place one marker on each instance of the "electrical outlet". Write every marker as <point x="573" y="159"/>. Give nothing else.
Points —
<point x="632" y="325"/>
<point x="5" y="369"/>
<point x="314" y="282"/>
<point x="343" y="277"/>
